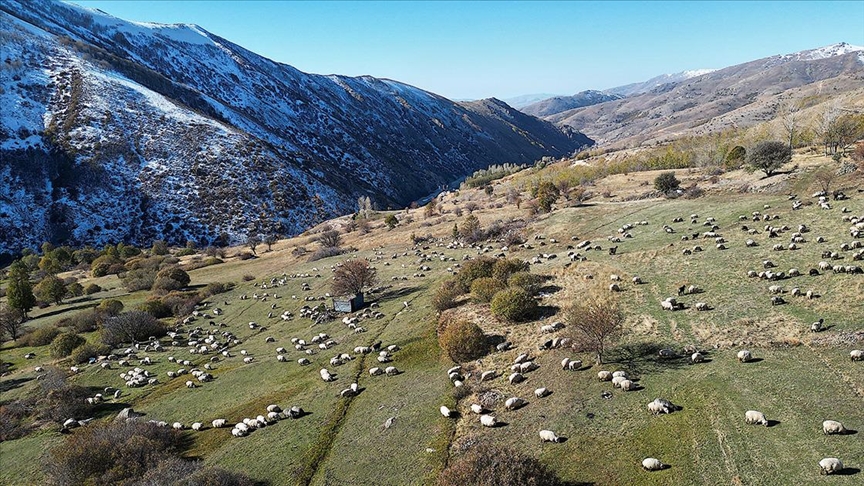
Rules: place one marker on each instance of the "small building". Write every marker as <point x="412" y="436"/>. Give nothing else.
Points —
<point x="348" y="303"/>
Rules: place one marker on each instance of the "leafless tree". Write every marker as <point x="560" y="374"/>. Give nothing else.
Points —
<point x="598" y="318"/>
<point x="11" y="321"/>
<point x="825" y="176"/>
<point x="353" y="277"/>
<point x="330" y="239"/>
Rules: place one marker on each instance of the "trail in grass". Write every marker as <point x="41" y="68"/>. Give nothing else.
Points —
<point x="326" y="439"/>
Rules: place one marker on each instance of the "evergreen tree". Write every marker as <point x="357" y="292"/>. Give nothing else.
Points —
<point x="19" y="294"/>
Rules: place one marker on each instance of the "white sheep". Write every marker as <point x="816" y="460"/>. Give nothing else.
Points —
<point x="303" y="361"/>
<point x="604" y="375"/>
<point x="219" y="423"/>
<point x="830" y="427"/>
<point x="697" y="357"/>
<point x="830" y="465"/>
<point x="744" y="356"/>
<point x="375" y="371"/>
<point x="391" y="371"/>
<point x="627" y="385"/>
<point x="541" y="392"/>
<point x="326" y="375"/>
<point x="274" y="408"/>
<point x="516" y="378"/>
<point x="514" y="403"/>
<point x="754" y="417"/>
<point x="488" y="375"/>
<point x="488" y="420"/>
<point x="622" y="374"/>
<point x="197" y="426"/>
<point x="856" y="355"/>
<point x="190" y="384"/>
<point x="661" y="405"/>
<point x="177" y="426"/>
<point x="652" y="464"/>
<point x="476" y="408"/>
<point x="446" y="412"/>
<point x="549" y="436"/>
<point x="701" y="306"/>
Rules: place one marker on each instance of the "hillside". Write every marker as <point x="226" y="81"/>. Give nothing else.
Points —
<point x="392" y="432"/>
<point x="125" y="131"/>
<point x="559" y="104"/>
<point x="738" y="96"/>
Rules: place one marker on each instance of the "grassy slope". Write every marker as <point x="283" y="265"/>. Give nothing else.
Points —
<point x="706" y="443"/>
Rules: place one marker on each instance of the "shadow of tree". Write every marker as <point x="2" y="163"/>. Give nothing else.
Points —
<point x="643" y="357"/>
<point x="7" y="385"/>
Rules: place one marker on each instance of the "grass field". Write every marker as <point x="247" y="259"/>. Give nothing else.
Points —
<point x="799" y="379"/>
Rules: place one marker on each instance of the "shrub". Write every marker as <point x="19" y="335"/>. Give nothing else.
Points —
<point x="138" y="279"/>
<point x="446" y="295"/>
<point x="110" y="307"/>
<point x="735" y="158"/>
<point x="484" y="288"/>
<point x="85" y="321"/>
<point x="666" y="182"/>
<point x="130" y="326"/>
<point x="155" y="308"/>
<point x="248" y="278"/>
<point x="176" y="274"/>
<point x="83" y="353"/>
<point x="487" y="464"/>
<point x="505" y="267"/>
<point x="40" y="337"/>
<point x="391" y="221"/>
<point x="215" y="288"/>
<point x="472" y="270"/>
<point x="159" y="248"/>
<point x="185" y="252"/>
<point x="463" y="341"/>
<point x="325" y="252"/>
<point x="330" y="239"/>
<point x="182" y="303"/>
<point x="111" y="453"/>
<point x="513" y="304"/>
<point x="74" y="289"/>
<point x="63" y="344"/>
<point x="528" y="281"/>
<point x="91" y="289"/>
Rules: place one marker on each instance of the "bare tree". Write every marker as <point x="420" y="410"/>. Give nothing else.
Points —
<point x="789" y="119"/>
<point x="330" y="239"/>
<point x="598" y="318"/>
<point x="270" y="240"/>
<point x="353" y="277"/>
<point x="252" y="242"/>
<point x="11" y="321"/>
<point x="825" y="176"/>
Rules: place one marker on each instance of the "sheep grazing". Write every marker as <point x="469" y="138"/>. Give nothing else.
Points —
<point x="856" y="355"/>
<point x="830" y="465"/>
<point x="476" y="408"/>
<point x="516" y="378"/>
<point x="697" y="357"/>
<point x="488" y="375"/>
<point x="219" y="423"/>
<point x="446" y="412"/>
<point x="744" y="356"/>
<point x="614" y="287"/>
<point x="831" y="427"/>
<point x="177" y="426"/>
<point x="754" y="417"/>
<point x="391" y="371"/>
<point x="604" y="375"/>
<point x="541" y="392"/>
<point x="652" y="464"/>
<point x="488" y="420"/>
<point x="777" y="300"/>
<point x="817" y="326"/>
<point x="617" y="380"/>
<point x="515" y="403"/>
<point x="274" y="408"/>
<point x="627" y="385"/>
<point x="549" y="436"/>
<point x="326" y="375"/>
<point x="702" y="306"/>
<point x="197" y="426"/>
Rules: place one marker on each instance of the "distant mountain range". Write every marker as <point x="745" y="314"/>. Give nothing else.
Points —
<point x="123" y="131"/>
<point x="698" y="102"/>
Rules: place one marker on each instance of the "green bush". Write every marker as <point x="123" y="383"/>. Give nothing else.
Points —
<point x="215" y="288"/>
<point x="472" y="270"/>
<point x="513" y="304"/>
<point x="182" y="303"/>
<point x="463" y="341"/>
<point x="110" y="307"/>
<point x="528" y="281"/>
<point x="39" y="337"/>
<point x="63" y="344"/>
<point x="505" y="267"/>
<point x="185" y="252"/>
<point x="155" y="308"/>
<point x="91" y="289"/>
<point x="445" y="295"/>
<point x="130" y="326"/>
<point x="83" y="353"/>
<point x="139" y="279"/>
<point x="666" y="182"/>
<point x="487" y="464"/>
<point x="484" y="288"/>
<point x="171" y="278"/>
<point x="85" y="321"/>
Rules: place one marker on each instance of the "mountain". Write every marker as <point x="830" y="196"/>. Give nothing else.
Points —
<point x="124" y="131"/>
<point x="522" y="101"/>
<point x="558" y="104"/>
<point x="734" y="97"/>
<point x="645" y="86"/>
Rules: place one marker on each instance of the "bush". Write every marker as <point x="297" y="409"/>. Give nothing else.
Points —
<point x="446" y="295"/>
<point x="391" y="221"/>
<point x="84" y="321"/>
<point x="484" y="288"/>
<point x="463" y="341"/>
<point x="182" y="303"/>
<point x="40" y="337"/>
<point x="83" y="353"/>
<point x="111" y="453"/>
<point x="666" y="182"/>
<point x="215" y="288"/>
<point x="178" y="275"/>
<point x="528" y="281"/>
<point x="472" y="270"/>
<point x="63" y="344"/>
<point x="487" y="464"/>
<point x="513" y="304"/>
<point x="735" y="158"/>
<point x="91" y="289"/>
<point x="505" y="267"/>
<point x="155" y="308"/>
<point x="138" y="279"/>
<point x="186" y="252"/>
<point x="768" y="156"/>
<point x="130" y="326"/>
<point x="325" y="252"/>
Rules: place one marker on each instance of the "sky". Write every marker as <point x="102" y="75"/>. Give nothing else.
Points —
<point x="472" y="50"/>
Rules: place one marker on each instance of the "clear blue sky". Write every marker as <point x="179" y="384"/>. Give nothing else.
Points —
<point x="467" y="50"/>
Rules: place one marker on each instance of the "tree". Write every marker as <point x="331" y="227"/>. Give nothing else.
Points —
<point x="470" y="230"/>
<point x="768" y="156"/>
<point x="514" y="304"/>
<point x="50" y="289"/>
<point x="270" y="240"/>
<point x="431" y="208"/>
<point x="19" y="293"/>
<point x="330" y="239"/>
<point x="252" y="242"/>
<point x="171" y="278"/>
<point x="844" y="130"/>
<point x="547" y="194"/>
<point x="129" y="327"/>
<point x="159" y="248"/>
<point x="735" y="158"/>
<point x="463" y="341"/>
<point x="599" y="318"/>
<point x="11" y="321"/>
<point x="666" y="182"/>
<point x="825" y="176"/>
<point x="353" y="277"/>
<point x="391" y="221"/>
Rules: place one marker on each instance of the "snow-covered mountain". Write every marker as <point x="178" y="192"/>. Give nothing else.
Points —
<point x="557" y="104"/>
<point x="645" y="86"/>
<point x="122" y="131"/>
<point x="522" y="101"/>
